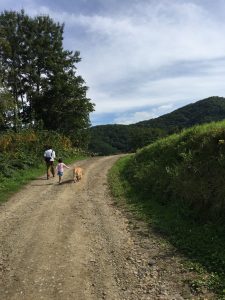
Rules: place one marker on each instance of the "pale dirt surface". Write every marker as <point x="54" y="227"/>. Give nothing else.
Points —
<point x="70" y="241"/>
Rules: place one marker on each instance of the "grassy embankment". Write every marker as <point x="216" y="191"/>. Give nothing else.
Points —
<point x="21" y="157"/>
<point x="177" y="185"/>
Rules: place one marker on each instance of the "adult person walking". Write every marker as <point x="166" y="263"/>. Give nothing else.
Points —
<point x="49" y="156"/>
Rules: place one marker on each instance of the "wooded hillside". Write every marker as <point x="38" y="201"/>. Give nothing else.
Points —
<point x="111" y="139"/>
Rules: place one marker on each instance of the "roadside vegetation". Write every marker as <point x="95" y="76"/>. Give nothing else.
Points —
<point x="21" y="157"/>
<point x="177" y="185"/>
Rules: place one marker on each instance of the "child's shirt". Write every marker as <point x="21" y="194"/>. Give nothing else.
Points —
<point x="60" y="167"/>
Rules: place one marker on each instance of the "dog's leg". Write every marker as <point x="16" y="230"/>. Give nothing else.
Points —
<point x="74" y="177"/>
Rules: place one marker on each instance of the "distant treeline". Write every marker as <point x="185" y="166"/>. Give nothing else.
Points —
<point x="112" y="139"/>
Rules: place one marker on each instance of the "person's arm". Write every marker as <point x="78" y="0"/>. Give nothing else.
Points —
<point x="45" y="155"/>
<point x="66" y="166"/>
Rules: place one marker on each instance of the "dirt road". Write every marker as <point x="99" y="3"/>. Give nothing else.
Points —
<point x="69" y="241"/>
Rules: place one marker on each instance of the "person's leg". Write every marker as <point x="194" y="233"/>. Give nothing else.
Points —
<point x="48" y="169"/>
<point x="60" y="178"/>
<point x="52" y="169"/>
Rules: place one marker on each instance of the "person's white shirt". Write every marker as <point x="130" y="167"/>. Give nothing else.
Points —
<point x="50" y="153"/>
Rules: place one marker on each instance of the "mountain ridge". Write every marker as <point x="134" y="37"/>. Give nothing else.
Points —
<point x="117" y="138"/>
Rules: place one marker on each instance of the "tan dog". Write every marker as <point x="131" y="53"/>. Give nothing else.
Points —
<point x="77" y="173"/>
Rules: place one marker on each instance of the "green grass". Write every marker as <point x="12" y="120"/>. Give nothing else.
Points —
<point x="189" y="168"/>
<point x="202" y="243"/>
<point x="9" y="186"/>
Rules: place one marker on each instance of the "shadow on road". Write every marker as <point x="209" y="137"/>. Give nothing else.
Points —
<point x="42" y="184"/>
<point x="66" y="181"/>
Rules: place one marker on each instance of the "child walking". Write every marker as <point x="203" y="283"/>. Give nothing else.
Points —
<point x="60" y="168"/>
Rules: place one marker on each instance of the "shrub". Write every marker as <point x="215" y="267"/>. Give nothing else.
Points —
<point x="25" y="149"/>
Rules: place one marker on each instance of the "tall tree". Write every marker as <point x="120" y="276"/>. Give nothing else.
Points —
<point x="6" y="109"/>
<point x="10" y="50"/>
<point x="41" y="75"/>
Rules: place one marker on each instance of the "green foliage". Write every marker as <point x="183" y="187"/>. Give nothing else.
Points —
<point x="128" y="138"/>
<point x="201" y="240"/>
<point x="21" y="157"/>
<point x="21" y="151"/>
<point x="41" y="77"/>
<point x="108" y="139"/>
<point x="189" y="168"/>
<point x="111" y="139"/>
<point x="6" y="108"/>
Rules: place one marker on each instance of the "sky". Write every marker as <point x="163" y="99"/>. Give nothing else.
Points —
<point x="141" y="58"/>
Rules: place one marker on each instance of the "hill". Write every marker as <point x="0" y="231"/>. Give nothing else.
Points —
<point x="111" y="139"/>
<point x="203" y="111"/>
<point x="177" y="185"/>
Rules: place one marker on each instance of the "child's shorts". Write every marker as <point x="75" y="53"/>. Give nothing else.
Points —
<point x="60" y="173"/>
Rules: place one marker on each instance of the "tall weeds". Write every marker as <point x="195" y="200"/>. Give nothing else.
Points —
<point x="187" y="169"/>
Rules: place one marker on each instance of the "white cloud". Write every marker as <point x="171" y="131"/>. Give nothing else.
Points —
<point x="151" y="53"/>
<point x="165" y="91"/>
<point x="158" y="37"/>
<point x="150" y="113"/>
<point x="148" y="37"/>
<point x="140" y="46"/>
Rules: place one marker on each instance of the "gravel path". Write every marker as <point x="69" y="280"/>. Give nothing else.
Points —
<point x="69" y="241"/>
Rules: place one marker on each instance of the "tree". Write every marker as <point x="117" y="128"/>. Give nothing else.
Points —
<point x="10" y="50"/>
<point x="6" y="109"/>
<point x="41" y="75"/>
